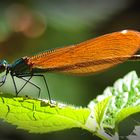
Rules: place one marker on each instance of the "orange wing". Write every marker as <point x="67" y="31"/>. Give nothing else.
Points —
<point x="90" y="56"/>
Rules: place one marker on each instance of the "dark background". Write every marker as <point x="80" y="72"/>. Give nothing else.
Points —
<point x="29" y="27"/>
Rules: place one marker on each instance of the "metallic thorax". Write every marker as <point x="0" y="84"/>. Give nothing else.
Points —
<point x="19" y="67"/>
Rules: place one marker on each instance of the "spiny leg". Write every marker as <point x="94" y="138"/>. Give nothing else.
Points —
<point x="27" y="81"/>
<point x="49" y="95"/>
<point x="15" y="86"/>
<point x="29" y="74"/>
<point x="31" y="84"/>
<point x="3" y="80"/>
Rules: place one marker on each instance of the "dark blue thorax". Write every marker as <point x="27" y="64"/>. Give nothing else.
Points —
<point x="20" y="66"/>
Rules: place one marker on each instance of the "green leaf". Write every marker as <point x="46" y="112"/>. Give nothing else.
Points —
<point x="100" y="109"/>
<point x="39" y="116"/>
<point x="114" y="105"/>
<point x="97" y="112"/>
<point x="104" y="113"/>
<point x="125" y="100"/>
<point x="126" y="112"/>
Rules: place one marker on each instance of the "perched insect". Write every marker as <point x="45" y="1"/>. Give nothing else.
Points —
<point x="88" y="57"/>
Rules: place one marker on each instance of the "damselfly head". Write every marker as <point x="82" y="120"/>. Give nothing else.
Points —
<point x="3" y="65"/>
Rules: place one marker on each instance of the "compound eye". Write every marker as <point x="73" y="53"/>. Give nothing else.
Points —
<point x="3" y="65"/>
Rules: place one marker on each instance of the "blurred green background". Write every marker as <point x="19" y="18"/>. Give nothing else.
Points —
<point x="29" y="27"/>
